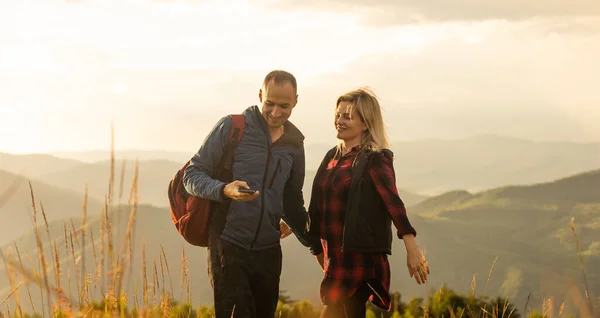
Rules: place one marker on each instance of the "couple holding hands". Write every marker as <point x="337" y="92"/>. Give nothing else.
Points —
<point x="348" y="223"/>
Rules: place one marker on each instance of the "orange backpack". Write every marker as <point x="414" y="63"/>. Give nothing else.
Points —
<point x="192" y="215"/>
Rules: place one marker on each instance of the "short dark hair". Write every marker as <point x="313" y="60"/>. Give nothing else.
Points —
<point x="280" y="77"/>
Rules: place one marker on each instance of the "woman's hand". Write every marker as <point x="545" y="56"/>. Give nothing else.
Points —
<point x="415" y="260"/>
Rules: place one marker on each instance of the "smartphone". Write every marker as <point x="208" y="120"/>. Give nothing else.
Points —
<point x="244" y="190"/>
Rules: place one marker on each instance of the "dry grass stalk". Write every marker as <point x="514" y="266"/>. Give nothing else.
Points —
<point x="473" y="285"/>
<point x="488" y="280"/>
<point x="109" y="205"/>
<point x="162" y="252"/>
<point x="144" y="278"/>
<point x="97" y="276"/>
<point x="57" y="268"/>
<point x="109" y="239"/>
<point x="129" y="231"/>
<point x="101" y="274"/>
<point x="189" y="289"/>
<point x="22" y="268"/>
<point x="136" y="301"/>
<point x="11" y="278"/>
<point x="41" y="255"/>
<point x="527" y="304"/>
<point x="75" y="261"/>
<point x="184" y="271"/>
<point x="56" y="264"/>
<point x="505" y="307"/>
<point x="46" y="226"/>
<point x="162" y="274"/>
<point x="83" y="234"/>
<point x="55" y="261"/>
<point x="29" y="276"/>
<point x="12" y="292"/>
<point x="587" y="290"/>
<point x="451" y="311"/>
<point x="155" y="283"/>
<point x="440" y="293"/>
<point x="163" y="291"/>
<point x="75" y="232"/>
<point x="561" y="309"/>
<point x="94" y="252"/>
<point x="86" y="290"/>
<point x="133" y="200"/>
<point x="66" y="239"/>
<point x="490" y="275"/>
<point x="579" y="301"/>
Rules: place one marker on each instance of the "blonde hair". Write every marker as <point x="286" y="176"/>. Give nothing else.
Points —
<point x="364" y="103"/>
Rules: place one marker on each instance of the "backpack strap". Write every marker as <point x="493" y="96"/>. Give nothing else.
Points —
<point x="238" y="124"/>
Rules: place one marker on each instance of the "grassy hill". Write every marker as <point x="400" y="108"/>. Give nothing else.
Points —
<point x="524" y="228"/>
<point x="154" y="177"/>
<point x="527" y="227"/>
<point x="544" y="207"/>
<point x="16" y="212"/>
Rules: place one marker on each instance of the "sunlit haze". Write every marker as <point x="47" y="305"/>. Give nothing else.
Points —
<point x="165" y="71"/>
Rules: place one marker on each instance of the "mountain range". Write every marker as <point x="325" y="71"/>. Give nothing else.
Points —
<point x="433" y="166"/>
<point x="524" y="226"/>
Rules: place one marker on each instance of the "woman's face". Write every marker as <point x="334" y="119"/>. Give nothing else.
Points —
<point x="349" y="127"/>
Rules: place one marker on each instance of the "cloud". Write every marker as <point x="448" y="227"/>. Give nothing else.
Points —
<point x="406" y="11"/>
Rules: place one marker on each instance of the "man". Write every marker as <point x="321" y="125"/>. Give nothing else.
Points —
<point x="245" y="253"/>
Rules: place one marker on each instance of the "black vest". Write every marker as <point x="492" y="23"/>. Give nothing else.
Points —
<point x="367" y="226"/>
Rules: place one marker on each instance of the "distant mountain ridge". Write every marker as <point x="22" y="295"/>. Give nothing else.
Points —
<point x="16" y="214"/>
<point x="434" y="166"/>
<point x="579" y="189"/>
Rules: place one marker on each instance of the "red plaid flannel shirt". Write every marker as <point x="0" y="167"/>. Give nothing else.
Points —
<point x="346" y="271"/>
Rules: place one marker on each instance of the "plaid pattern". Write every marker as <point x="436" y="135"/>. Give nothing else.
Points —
<point x="345" y="272"/>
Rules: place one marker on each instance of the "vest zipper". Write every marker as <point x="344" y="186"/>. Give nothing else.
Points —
<point x="262" y="194"/>
<point x="275" y="173"/>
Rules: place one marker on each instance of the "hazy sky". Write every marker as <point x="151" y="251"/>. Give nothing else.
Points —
<point x="165" y="71"/>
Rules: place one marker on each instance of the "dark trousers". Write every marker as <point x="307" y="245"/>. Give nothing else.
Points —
<point x="245" y="282"/>
<point x="354" y="307"/>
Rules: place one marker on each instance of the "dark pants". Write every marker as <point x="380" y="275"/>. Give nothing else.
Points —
<point x="248" y="280"/>
<point x="354" y="307"/>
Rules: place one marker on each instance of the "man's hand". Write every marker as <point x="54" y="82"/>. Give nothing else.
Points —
<point x="284" y="229"/>
<point x="231" y="191"/>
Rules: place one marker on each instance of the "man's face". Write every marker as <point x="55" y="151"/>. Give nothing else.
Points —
<point x="277" y="100"/>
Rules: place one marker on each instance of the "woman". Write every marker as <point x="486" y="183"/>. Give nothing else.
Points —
<point x="354" y="201"/>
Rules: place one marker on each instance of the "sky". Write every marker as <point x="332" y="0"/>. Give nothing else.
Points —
<point x="165" y="71"/>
